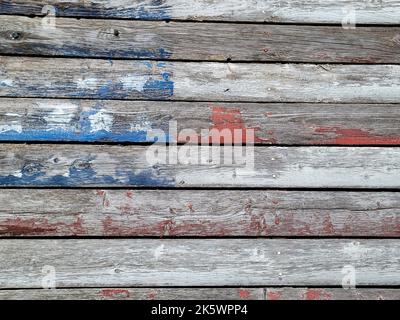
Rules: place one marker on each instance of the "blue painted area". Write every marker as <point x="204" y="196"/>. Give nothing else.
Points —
<point x="140" y="180"/>
<point x="159" y="86"/>
<point x="63" y="135"/>
<point x="146" y="178"/>
<point x="80" y="130"/>
<point x="84" y="176"/>
<point x="154" y="87"/>
<point x="155" y="10"/>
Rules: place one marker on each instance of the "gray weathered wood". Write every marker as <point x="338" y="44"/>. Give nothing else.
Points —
<point x="304" y="11"/>
<point x="198" y="41"/>
<point x="332" y="294"/>
<point x="169" y="213"/>
<point x="135" y="294"/>
<point x="158" y="166"/>
<point x="201" y="81"/>
<point x="286" y="293"/>
<point x="138" y="121"/>
<point x="197" y="262"/>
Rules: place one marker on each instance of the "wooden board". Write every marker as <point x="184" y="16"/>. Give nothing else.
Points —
<point x="198" y="262"/>
<point x="198" y="41"/>
<point x="286" y="293"/>
<point x="139" y="121"/>
<point x="199" y="81"/>
<point x="284" y="167"/>
<point x="135" y="294"/>
<point x="317" y="83"/>
<point x="303" y="11"/>
<point x="332" y="294"/>
<point x="198" y="213"/>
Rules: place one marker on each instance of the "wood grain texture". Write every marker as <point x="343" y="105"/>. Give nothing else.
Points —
<point x="198" y="213"/>
<point x="332" y="294"/>
<point x="196" y="81"/>
<point x="135" y="294"/>
<point x="286" y="293"/>
<point x="198" y="41"/>
<point x="198" y="166"/>
<point x="198" y="262"/>
<point x="140" y="121"/>
<point x="315" y="11"/>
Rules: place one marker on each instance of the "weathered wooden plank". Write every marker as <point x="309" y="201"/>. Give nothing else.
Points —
<point x="135" y="294"/>
<point x="199" y="81"/>
<point x="198" y="41"/>
<point x="170" y="213"/>
<point x="197" y="262"/>
<point x="198" y="166"/>
<point x="139" y="121"/>
<point x="332" y="294"/>
<point x="315" y="11"/>
<point x="286" y="293"/>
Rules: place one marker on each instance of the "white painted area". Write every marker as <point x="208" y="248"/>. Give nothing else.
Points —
<point x="11" y="124"/>
<point x="88" y="83"/>
<point x="61" y="113"/>
<point x="17" y="174"/>
<point x="135" y="82"/>
<point x="6" y="83"/>
<point x="101" y="120"/>
<point x="158" y="252"/>
<point x="355" y="250"/>
<point x="14" y="126"/>
<point x="142" y="123"/>
<point x="256" y="255"/>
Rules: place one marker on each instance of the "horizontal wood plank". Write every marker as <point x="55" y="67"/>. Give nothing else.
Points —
<point x="332" y="294"/>
<point x="140" y="121"/>
<point x="198" y="166"/>
<point x="286" y="293"/>
<point x="199" y="213"/>
<point x="135" y="294"/>
<point x="316" y="11"/>
<point x="198" y="41"/>
<point x="197" y="262"/>
<point x="196" y="81"/>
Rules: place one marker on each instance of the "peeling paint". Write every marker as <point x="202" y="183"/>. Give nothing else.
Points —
<point x="343" y="136"/>
<point x="230" y="119"/>
<point x="316" y="294"/>
<point x="115" y="293"/>
<point x="6" y="83"/>
<point x="244" y="294"/>
<point x="88" y="83"/>
<point x="101" y="121"/>
<point x="135" y="82"/>
<point x="273" y="295"/>
<point x="158" y="252"/>
<point x="41" y="226"/>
